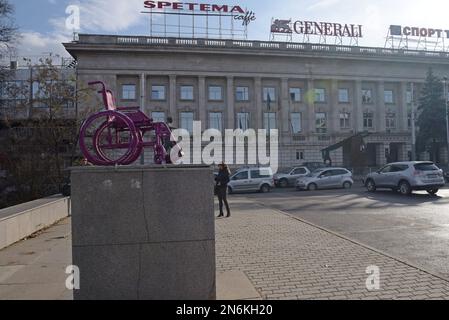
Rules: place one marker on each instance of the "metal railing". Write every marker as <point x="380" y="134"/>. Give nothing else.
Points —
<point x="261" y="45"/>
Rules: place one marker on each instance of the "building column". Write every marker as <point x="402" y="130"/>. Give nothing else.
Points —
<point x="143" y="92"/>
<point x="402" y="116"/>
<point x="310" y="104"/>
<point x="357" y="112"/>
<point x="202" y="98"/>
<point x="285" y="107"/>
<point x="258" y="99"/>
<point x="173" y="110"/>
<point x="230" y="103"/>
<point x="333" y="105"/>
<point x="381" y="110"/>
<point x="381" y="156"/>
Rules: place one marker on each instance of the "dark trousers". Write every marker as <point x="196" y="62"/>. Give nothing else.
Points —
<point x="222" y="193"/>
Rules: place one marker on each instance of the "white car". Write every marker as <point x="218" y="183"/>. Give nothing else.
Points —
<point x="327" y="178"/>
<point x="251" y="179"/>
<point x="288" y="177"/>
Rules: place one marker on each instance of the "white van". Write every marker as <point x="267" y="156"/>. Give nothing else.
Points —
<point x="252" y="179"/>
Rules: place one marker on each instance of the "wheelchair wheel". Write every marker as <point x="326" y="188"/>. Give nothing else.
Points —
<point x="110" y="138"/>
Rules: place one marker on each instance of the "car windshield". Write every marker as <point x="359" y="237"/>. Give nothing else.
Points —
<point x="316" y="173"/>
<point x="285" y="171"/>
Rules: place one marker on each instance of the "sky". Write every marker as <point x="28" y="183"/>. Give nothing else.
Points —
<point x="42" y="23"/>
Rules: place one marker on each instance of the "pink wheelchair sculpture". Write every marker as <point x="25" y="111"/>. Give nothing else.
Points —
<point x="116" y="136"/>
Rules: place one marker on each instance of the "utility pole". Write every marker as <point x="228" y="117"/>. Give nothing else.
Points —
<point x="30" y="96"/>
<point x="447" y="114"/>
<point x="413" y="121"/>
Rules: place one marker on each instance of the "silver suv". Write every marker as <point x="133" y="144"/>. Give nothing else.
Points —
<point x="326" y="178"/>
<point x="289" y="176"/>
<point x="406" y="177"/>
<point x="252" y="179"/>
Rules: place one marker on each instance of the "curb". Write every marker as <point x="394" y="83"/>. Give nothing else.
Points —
<point x="403" y="261"/>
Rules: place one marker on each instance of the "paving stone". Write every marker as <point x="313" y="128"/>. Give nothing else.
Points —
<point x="284" y="255"/>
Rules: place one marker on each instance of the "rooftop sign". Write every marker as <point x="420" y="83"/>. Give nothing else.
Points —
<point x="235" y="10"/>
<point x="396" y="30"/>
<point x="317" y="28"/>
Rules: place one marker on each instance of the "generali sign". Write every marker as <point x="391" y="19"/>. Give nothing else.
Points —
<point x="237" y="11"/>
<point x="317" y="28"/>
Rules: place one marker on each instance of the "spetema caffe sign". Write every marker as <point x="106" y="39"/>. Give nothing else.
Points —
<point x="236" y="11"/>
<point x="317" y="28"/>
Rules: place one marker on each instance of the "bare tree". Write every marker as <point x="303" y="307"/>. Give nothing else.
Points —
<point x="37" y="150"/>
<point x="8" y="33"/>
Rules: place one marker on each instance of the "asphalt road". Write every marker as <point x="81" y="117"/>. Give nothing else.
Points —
<point x="413" y="228"/>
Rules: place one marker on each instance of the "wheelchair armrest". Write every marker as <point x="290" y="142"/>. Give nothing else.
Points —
<point x="128" y="109"/>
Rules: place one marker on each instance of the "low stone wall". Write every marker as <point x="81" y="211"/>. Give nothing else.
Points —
<point x="21" y="221"/>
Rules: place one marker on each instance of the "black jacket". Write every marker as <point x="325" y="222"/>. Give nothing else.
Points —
<point x="222" y="179"/>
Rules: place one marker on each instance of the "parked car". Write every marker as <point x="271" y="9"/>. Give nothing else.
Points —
<point x="252" y="179"/>
<point x="288" y="177"/>
<point x="326" y="178"/>
<point x="406" y="177"/>
<point x="445" y="173"/>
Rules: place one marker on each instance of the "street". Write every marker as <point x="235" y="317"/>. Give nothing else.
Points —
<point x="414" y="229"/>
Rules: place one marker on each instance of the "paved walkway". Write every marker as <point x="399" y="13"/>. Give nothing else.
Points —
<point x="282" y="257"/>
<point x="288" y="259"/>
<point x="35" y="269"/>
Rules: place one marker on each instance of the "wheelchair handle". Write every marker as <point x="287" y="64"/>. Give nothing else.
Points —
<point x="92" y="83"/>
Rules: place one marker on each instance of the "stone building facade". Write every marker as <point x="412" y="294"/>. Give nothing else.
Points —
<point x="315" y="95"/>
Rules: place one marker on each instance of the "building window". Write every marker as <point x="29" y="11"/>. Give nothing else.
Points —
<point x="187" y="93"/>
<point x="243" y="121"/>
<point x="321" y="122"/>
<point x="158" y="92"/>
<point x="37" y="90"/>
<point x="39" y="93"/>
<point x="409" y="120"/>
<point x="388" y="95"/>
<point x="269" y="121"/>
<point x="409" y="97"/>
<point x="15" y="90"/>
<point x="343" y="95"/>
<point x="187" y="121"/>
<point x="242" y="94"/>
<point x="368" y="120"/>
<point x="296" y="120"/>
<point x="215" y="93"/>
<point x="295" y="94"/>
<point x="300" y="155"/>
<point x="129" y="92"/>
<point x="158" y="116"/>
<point x="320" y="95"/>
<point x="345" y="118"/>
<point x="269" y="94"/>
<point x="391" y="120"/>
<point x="367" y="96"/>
<point x="216" y="121"/>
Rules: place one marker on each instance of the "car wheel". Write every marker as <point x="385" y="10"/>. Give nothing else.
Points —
<point x="347" y="185"/>
<point x="230" y="190"/>
<point x="404" y="188"/>
<point x="283" y="183"/>
<point x="433" y="191"/>
<point x="312" y="187"/>
<point x="370" y="186"/>
<point x="265" y="188"/>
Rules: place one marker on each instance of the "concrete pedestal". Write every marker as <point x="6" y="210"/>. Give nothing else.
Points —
<point x="144" y="232"/>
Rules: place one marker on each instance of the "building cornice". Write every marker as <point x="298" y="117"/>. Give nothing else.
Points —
<point x="155" y="45"/>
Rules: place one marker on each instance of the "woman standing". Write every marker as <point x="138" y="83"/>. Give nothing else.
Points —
<point x="222" y="188"/>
